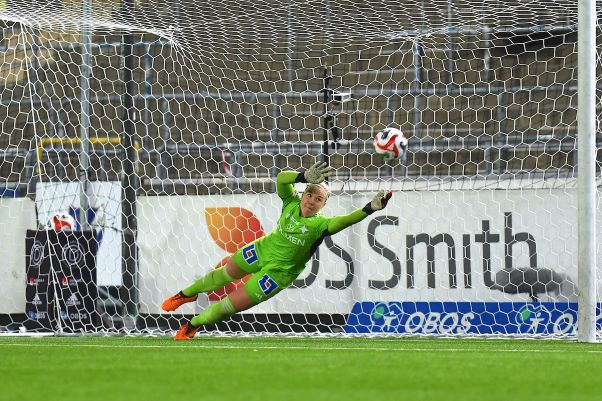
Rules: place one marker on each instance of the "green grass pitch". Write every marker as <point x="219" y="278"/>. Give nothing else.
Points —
<point x="297" y="368"/>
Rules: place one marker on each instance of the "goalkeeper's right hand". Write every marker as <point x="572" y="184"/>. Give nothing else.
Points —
<point x="317" y="173"/>
<point x="379" y="201"/>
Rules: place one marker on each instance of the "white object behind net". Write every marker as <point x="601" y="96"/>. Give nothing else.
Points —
<point x="176" y="167"/>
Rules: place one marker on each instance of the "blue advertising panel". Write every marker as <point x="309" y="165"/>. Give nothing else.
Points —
<point x="9" y="192"/>
<point x="546" y="318"/>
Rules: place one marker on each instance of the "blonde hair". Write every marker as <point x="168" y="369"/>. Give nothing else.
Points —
<point x="322" y="185"/>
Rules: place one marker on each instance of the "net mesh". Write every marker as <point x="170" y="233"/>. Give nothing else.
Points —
<point x="168" y="122"/>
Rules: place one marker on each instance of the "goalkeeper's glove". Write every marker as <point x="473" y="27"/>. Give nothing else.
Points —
<point x="379" y="202"/>
<point x="317" y="173"/>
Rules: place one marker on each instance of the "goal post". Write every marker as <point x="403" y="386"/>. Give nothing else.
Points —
<point x="587" y="170"/>
<point x="161" y="127"/>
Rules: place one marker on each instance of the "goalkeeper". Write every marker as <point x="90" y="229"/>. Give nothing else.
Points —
<point x="275" y="260"/>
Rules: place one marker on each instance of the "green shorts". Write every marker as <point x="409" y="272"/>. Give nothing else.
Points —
<point x="266" y="280"/>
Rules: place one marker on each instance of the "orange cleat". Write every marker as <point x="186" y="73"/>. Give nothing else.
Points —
<point x="173" y="303"/>
<point x="186" y="332"/>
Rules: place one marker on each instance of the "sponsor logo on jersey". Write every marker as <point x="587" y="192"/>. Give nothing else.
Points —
<point x="289" y="223"/>
<point x="291" y="239"/>
<point x="249" y="254"/>
<point x="231" y="228"/>
<point x="267" y="284"/>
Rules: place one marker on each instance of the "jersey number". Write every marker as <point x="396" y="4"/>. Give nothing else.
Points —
<point x="249" y="254"/>
<point x="267" y="284"/>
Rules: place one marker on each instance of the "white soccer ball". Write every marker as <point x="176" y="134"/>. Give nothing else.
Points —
<point x="61" y="221"/>
<point x="390" y="142"/>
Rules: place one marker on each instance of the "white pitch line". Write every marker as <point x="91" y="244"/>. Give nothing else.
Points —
<point x="260" y="347"/>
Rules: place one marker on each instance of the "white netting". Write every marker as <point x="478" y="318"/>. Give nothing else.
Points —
<point x="169" y="121"/>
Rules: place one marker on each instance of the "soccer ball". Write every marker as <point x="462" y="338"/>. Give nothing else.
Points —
<point x="390" y="142"/>
<point x="61" y="221"/>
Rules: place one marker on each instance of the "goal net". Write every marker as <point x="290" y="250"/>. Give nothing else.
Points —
<point x="160" y="127"/>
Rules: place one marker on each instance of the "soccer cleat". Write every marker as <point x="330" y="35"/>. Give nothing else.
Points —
<point x="174" y="302"/>
<point x="186" y="332"/>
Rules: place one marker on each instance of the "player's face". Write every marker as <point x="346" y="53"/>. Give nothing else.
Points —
<point x="312" y="201"/>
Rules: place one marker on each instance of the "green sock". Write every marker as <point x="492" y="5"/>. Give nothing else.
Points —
<point x="214" y="280"/>
<point x="214" y="313"/>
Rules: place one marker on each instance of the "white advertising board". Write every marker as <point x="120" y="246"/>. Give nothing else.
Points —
<point x="466" y="238"/>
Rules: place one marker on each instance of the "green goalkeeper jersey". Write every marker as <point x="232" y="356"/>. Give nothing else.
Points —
<point x="290" y="245"/>
<point x="295" y="238"/>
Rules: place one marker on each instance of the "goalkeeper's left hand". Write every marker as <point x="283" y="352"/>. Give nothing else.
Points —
<point x="317" y="173"/>
<point x="379" y="201"/>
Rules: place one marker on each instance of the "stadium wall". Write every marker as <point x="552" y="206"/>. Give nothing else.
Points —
<point x="16" y="216"/>
<point x="384" y="258"/>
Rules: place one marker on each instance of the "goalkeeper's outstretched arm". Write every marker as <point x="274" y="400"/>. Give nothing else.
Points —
<point x="339" y="223"/>
<point x="313" y="175"/>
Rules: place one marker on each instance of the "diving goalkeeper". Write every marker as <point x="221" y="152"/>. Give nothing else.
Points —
<point x="275" y="260"/>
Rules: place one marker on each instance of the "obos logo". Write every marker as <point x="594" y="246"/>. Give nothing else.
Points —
<point x="385" y="317"/>
<point x="36" y="255"/>
<point x="231" y="228"/>
<point x="533" y="318"/>
<point x="74" y="316"/>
